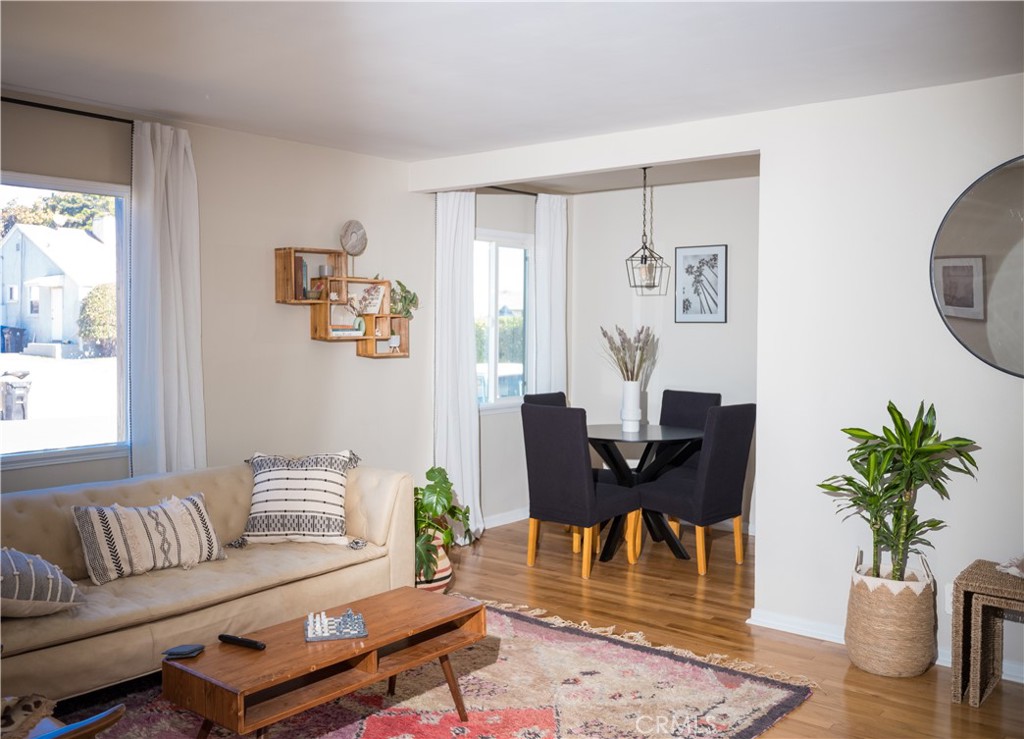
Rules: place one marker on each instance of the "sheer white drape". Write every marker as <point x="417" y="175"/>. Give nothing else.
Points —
<point x="546" y="296"/>
<point x="456" y="418"/>
<point x="166" y="409"/>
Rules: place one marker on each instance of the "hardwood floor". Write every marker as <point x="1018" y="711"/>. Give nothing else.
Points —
<point x="666" y="600"/>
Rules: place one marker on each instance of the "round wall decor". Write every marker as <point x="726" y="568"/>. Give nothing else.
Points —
<point x="353" y="238"/>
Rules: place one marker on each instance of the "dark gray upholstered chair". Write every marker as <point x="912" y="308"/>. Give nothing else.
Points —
<point x="600" y="475"/>
<point x="546" y="399"/>
<point x="713" y="491"/>
<point x="689" y="410"/>
<point x="561" y="481"/>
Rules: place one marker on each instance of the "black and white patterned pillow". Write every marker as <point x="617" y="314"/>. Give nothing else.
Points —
<point x="129" y="540"/>
<point x="299" y="498"/>
<point x="31" y="586"/>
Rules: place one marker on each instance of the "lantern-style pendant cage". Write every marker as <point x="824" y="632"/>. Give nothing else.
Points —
<point x="646" y="269"/>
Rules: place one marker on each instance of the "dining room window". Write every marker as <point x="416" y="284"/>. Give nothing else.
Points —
<point x="500" y="317"/>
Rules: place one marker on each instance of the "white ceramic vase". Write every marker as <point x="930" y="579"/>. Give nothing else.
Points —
<point x="630" y="411"/>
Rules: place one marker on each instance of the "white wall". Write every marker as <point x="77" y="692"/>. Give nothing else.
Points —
<point x="269" y="388"/>
<point x="851" y="194"/>
<point x="718" y="357"/>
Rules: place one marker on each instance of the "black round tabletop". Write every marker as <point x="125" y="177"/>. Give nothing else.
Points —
<point x="647" y="433"/>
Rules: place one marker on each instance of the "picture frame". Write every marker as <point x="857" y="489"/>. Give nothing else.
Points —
<point x="959" y="284"/>
<point x="366" y="298"/>
<point x="701" y="284"/>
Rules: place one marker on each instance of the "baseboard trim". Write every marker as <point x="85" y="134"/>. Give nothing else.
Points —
<point x="1013" y="670"/>
<point x="500" y="519"/>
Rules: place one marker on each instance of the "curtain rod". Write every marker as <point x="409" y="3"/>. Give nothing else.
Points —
<point x="509" y="189"/>
<point x="72" y="111"/>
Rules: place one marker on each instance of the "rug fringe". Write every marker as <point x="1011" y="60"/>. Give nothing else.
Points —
<point x="640" y="639"/>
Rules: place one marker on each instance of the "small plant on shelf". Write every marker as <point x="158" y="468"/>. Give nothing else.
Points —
<point x="403" y="300"/>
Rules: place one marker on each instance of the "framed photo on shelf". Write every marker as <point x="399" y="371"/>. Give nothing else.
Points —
<point x="366" y="298"/>
<point x="701" y="284"/>
<point x="960" y="286"/>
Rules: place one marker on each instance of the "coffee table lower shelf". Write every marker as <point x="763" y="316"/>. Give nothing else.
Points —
<point x="245" y="690"/>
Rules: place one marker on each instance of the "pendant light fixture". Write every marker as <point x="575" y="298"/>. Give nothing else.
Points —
<point x="648" y="273"/>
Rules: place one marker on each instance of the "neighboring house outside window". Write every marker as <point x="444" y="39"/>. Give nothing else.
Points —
<point x="65" y="343"/>
<point x="499" y="265"/>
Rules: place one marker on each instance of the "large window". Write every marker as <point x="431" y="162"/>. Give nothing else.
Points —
<point x="62" y="358"/>
<point x="499" y="302"/>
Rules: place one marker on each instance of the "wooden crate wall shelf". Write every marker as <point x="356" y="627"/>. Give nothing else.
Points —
<point x="296" y="267"/>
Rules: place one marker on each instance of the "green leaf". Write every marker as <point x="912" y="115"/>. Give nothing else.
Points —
<point x="857" y="433"/>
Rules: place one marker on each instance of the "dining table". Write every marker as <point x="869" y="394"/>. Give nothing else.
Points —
<point x="663" y="447"/>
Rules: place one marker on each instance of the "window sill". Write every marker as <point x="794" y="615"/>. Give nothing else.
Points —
<point x="23" y="460"/>
<point x="508" y="405"/>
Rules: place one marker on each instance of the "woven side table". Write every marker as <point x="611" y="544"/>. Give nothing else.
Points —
<point x="981" y="595"/>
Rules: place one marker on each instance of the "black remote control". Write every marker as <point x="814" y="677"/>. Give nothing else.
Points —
<point x="242" y="641"/>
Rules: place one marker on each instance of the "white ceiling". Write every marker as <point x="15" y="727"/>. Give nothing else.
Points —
<point x="413" y="81"/>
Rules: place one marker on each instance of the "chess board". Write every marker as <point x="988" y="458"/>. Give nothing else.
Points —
<point x="325" y="628"/>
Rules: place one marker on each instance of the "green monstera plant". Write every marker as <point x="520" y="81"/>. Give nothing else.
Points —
<point x="891" y="467"/>
<point x="435" y="511"/>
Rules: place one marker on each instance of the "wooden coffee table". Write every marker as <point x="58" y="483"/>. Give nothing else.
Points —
<point x="246" y="690"/>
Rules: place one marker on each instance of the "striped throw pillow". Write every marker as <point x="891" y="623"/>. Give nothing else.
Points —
<point x="31" y="586"/>
<point x="299" y="498"/>
<point x="120" y="541"/>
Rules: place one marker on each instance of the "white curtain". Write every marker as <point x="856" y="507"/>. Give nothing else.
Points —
<point x="166" y="411"/>
<point x="546" y="296"/>
<point x="456" y="418"/>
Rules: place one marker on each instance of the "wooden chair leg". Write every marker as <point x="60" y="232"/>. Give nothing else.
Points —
<point x="531" y="542"/>
<point x="576" y="538"/>
<point x="673" y="523"/>
<point x="737" y="538"/>
<point x="638" y="547"/>
<point x="632" y="539"/>
<point x="702" y="552"/>
<point x="588" y="550"/>
<point x="597" y="539"/>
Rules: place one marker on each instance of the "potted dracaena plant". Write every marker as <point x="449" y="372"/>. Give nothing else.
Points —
<point x="435" y="510"/>
<point x="887" y="634"/>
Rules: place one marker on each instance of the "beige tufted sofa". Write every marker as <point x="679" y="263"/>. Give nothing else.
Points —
<point x="122" y="627"/>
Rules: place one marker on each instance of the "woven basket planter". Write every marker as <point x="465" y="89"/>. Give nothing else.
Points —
<point x="890" y="625"/>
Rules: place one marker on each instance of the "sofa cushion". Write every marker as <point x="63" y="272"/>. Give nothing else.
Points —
<point x="31" y="586"/>
<point x="299" y="498"/>
<point x="163" y="594"/>
<point x="129" y="540"/>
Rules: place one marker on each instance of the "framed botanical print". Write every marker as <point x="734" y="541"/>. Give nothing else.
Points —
<point x="701" y="284"/>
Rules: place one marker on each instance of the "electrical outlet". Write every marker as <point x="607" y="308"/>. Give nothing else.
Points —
<point x="947" y="598"/>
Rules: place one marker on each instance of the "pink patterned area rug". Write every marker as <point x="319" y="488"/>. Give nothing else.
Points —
<point x="531" y="678"/>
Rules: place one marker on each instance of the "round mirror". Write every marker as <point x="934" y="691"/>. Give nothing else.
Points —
<point x="978" y="268"/>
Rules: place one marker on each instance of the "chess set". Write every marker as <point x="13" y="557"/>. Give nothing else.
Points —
<point x="321" y="627"/>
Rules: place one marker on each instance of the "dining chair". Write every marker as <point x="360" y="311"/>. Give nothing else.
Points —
<point x="602" y="475"/>
<point x="713" y="491"/>
<point x="687" y="408"/>
<point x="561" y="481"/>
<point x="546" y="399"/>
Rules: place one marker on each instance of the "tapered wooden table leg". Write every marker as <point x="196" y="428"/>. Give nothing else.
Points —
<point x="453" y="685"/>
<point x="391" y="684"/>
<point x="204" y="730"/>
